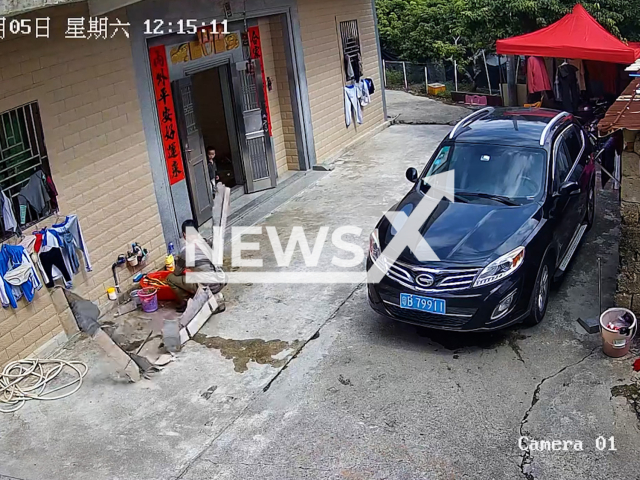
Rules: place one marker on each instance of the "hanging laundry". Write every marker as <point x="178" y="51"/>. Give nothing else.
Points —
<point x="8" y="217"/>
<point x="352" y="104"/>
<point x="363" y="93"/>
<point x="537" y="76"/>
<point x="51" y="240"/>
<point x="52" y="258"/>
<point x="34" y="194"/>
<point x="357" y="68"/>
<point x="568" y="82"/>
<point x="576" y="62"/>
<point x="371" y="85"/>
<point x="72" y="224"/>
<point x="53" y="193"/>
<point x="348" y="67"/>
<point x="29" y="244"/>
<point x="18" y="275"/>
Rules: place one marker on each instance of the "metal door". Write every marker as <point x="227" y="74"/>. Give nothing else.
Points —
<point x="193" y="151"/>
<point x="257" y="155"/>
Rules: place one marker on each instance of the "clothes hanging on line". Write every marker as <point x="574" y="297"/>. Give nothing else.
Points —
<point x="72" y="224"/>
<point x="351" y="105"/>
<point x="35" y="195"/>
<point x="52" y="191"/>
<point x="582" y="85"/>
<point x="52" y="258"/>
<point x="51" y="240"/>
<point x="363" y="93"/>
<point x="348" y="67"/>
<point x="22" y="281"/>
<point x="537" y="76"/>
<point x="8" y="217"/>
<point x="568" y="82"/>
<point x="371" y="85"/>
<point x="357" y="68"/>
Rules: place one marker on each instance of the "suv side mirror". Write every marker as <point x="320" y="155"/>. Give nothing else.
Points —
<point x="412" y="175"/>
<point x="569" y="188"/>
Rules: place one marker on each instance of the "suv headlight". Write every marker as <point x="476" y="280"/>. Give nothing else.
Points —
<point x="501" y="268"/>
<point x="374" y="246"/>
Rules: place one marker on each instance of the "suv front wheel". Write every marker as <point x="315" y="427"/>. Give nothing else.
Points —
<point x="541" y="290"/>
<point x="591" y="206"/>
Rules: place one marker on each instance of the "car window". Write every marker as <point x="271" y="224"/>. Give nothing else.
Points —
<point x="574" y="141"/>
<point x="562" y="163"/>
<point x="514" y="172"/>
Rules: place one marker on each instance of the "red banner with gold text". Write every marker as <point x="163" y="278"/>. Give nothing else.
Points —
<point x="166" y="114"/>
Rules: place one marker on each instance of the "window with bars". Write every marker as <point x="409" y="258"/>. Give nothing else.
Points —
<point x="350" y="38"/>
<point x="22" y="153"/>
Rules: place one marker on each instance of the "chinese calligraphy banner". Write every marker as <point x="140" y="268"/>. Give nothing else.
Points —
<point x="166" y="114"/>
<point x="255" y="47"/>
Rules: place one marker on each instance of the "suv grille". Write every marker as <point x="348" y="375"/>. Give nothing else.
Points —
<point x="427" y="319"/>
<point x="443" y="280"/>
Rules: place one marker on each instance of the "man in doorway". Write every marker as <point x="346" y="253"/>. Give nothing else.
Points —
<point x="177" y="280"/>
<point x="213" y="168"/>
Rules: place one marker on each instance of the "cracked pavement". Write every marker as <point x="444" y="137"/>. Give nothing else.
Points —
<point x="355" y="396"/>
<point x="375" y="399"/>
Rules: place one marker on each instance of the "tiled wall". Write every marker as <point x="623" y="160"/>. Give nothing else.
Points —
<point x="98" y="156"/>
<point x="275" y="67"/>
<point x="324" y="67"/>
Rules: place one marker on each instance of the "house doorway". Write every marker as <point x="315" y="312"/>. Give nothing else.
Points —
<point x="213" y="102"/>
<point x="223" y="107"/>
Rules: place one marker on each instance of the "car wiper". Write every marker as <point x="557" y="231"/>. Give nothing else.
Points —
<point x="498" y="198"/>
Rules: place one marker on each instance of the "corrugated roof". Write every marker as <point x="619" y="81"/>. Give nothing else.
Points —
<point x="625" y="111"/>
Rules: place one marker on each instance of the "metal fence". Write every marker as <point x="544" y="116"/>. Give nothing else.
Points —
<point x="416" y="77"/>
<point x="411" y="76"/>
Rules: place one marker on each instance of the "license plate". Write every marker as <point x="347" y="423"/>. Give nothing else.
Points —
<point x="424" y="304"/>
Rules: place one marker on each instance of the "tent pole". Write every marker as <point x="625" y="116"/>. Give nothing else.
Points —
<point x="486" y="69"/>
<point x="512" y="93"/>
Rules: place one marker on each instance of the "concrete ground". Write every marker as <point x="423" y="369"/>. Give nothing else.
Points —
<point x="416" y="110"/>
<point x="304" y="381"/>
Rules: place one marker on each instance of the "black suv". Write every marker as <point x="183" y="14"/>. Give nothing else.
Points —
<point x="524" y="198"/>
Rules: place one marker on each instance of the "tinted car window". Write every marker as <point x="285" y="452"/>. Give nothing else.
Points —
<point x="573" y="140"/>
<point x="513" y="172"/>
<point x="562" y="163"/>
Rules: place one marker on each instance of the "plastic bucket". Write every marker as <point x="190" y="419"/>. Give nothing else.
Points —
<point x="614" y="343"/>
<point x="148" y="299"/>
<point x="135" y="298"/>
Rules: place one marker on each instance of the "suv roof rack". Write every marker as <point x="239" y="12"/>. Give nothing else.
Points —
<point x="469" y="119"/>
<point x="550" y="125"/>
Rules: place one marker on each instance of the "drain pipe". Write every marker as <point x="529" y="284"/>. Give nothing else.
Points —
<point x="121" y="261"/>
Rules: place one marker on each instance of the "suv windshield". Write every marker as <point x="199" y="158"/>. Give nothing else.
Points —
<point x="492" y="170"/>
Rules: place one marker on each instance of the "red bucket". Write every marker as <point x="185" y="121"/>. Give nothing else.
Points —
<point x="148" y="299"/>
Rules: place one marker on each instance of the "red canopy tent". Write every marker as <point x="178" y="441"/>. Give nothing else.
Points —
<point x="576" y="35"/>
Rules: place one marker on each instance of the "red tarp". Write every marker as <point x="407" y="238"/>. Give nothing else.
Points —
<point x="576" y="35"/>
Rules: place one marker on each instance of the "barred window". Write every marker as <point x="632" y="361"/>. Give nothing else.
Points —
<point x="350" y="46"/>
<point x="22" y="153"/>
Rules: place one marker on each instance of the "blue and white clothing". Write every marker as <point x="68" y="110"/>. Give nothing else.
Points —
<point x="18" y="276"/>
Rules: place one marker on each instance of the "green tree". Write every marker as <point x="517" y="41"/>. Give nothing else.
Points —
<point x="421" y="30"/>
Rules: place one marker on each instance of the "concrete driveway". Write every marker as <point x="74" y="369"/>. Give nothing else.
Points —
<point x="305" y="382"/>
<point x="415" y="110"/>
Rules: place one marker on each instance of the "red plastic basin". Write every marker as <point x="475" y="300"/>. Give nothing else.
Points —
<point x="165" y="293"/>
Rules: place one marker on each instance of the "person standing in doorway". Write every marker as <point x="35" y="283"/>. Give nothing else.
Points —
<point x="213" y="168"/>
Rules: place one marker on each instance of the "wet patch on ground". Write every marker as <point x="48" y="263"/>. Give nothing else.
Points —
<point x="244" y="351"/>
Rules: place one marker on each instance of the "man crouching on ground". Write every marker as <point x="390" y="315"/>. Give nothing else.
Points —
<point x="177" y="280"/>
